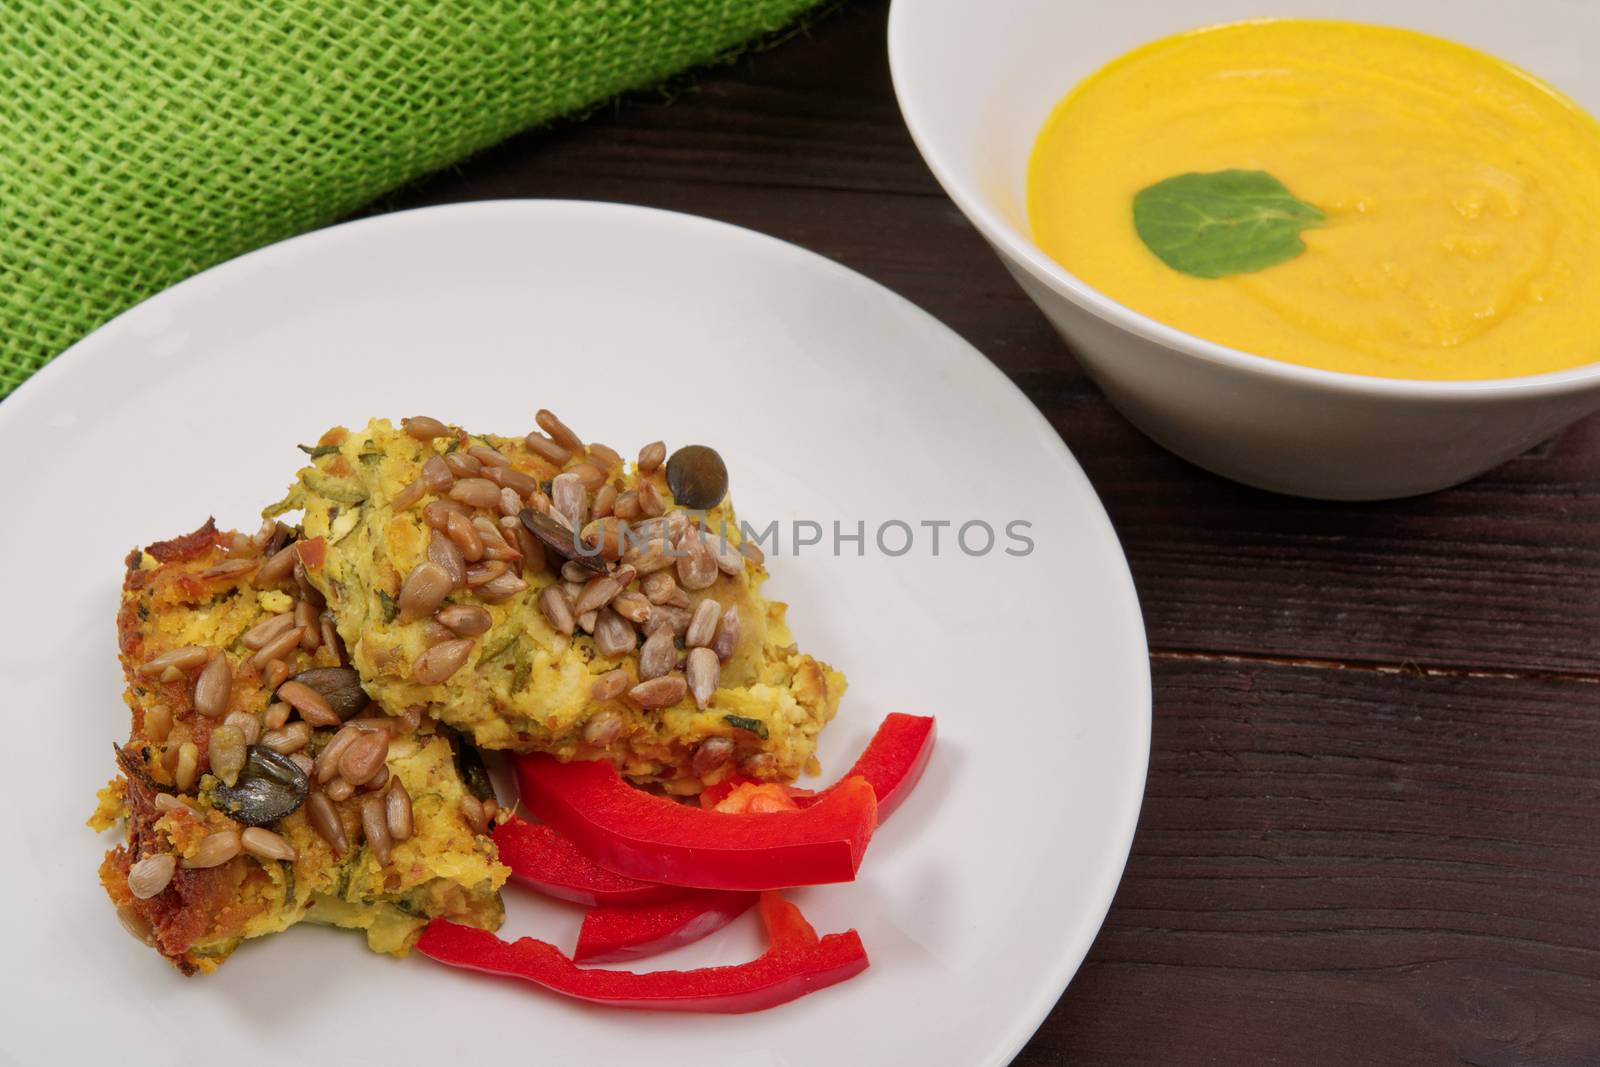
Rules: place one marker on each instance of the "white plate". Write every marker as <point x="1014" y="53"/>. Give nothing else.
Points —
<point x="832" y="399"/>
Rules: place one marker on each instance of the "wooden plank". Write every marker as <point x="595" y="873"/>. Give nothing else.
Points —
<point x="1349" y="866"/>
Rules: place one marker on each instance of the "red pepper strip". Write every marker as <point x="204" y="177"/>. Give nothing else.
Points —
<point x="542" y="859"/>
<point x="653" y="839"/>
<point x="797" y="963"/>
<point x="614" y="934"/>
<point x="892" y="762"/>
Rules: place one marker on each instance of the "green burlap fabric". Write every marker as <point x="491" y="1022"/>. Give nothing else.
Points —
<point x="143" y="140"/>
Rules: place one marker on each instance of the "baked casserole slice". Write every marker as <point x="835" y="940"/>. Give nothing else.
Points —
<point x="539" y="594"/>
<point x="259" y="786"/>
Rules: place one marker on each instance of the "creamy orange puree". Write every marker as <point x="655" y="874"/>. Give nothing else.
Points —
<point x="1462" y="196"/>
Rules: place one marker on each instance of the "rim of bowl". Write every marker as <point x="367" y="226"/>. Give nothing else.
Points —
<point x="1032" y="258"/>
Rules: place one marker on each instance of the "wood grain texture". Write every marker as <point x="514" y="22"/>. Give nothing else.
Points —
<point x="1370" y="833"/>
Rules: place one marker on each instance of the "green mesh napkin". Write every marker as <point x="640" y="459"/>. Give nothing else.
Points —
<point x="143" y="140"/>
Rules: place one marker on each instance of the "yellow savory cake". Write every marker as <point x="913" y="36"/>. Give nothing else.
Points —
<point x="259" y="785"/>
<point x="541" y="595"/>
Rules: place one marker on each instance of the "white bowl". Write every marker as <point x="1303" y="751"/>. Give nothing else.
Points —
<point x="976" y="81"/>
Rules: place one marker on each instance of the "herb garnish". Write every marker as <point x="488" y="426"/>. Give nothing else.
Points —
<point x="1223" y="222"/>
<point x="739" y="722"/>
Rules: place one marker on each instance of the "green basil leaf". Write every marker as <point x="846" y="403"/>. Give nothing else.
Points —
<point x="1223" y="222"/>
<point x="739" y="722"/>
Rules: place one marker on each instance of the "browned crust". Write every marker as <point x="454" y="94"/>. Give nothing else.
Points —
<point x="181" y="914"/>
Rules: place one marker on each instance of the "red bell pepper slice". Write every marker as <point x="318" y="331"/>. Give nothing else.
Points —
<point x="796" y="963"/>
<point x="654" y="839"/>
<point x="542" y="859"/>
<point x="893" y="761"/>
<point x="614" y="934"/>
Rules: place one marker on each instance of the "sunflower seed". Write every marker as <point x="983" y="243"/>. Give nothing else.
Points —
<point x="597" y="593"/>
<point x="443" y="553"/>
<point x="587" y="620"/>
<point x="702" y="672"/>
<point x="305" y="617"/>
<point x="276" y="715"/>
<point x="660" y="692"/>
<point x="476" y="493"/>
<point x="659" y="586"/>
<point x="480" y="573"/>
<point x="461" y="531"/>
<point x="591" y="476"/>
<point x="187" y="768"/>
<point x="151" y="875"/>
<point x="674" y="620"/>
<point x="558" y="430"/>
<point x="466" y="620"/>
<point x="326" y="765"/>
<point x="650" y="502"/>
<point x="727" y="638"/>
<point x="499" y="590"/>
<point x="657" y="654"/>
<point x="729" y="559"/>
<point x="292" y="738"/>
<point x="263" y="844"/>
<point x="397" y="810"/>
<point x="603" y="728"/>
<point x="632" y="606"/>
<point x="697" y="567"/>
<point x="528" y="546"/>
<point x="519" y="482"/>
<point x="651" y="456"/>
<point x="627" y="506"/>
<point x="712" y="753"/>
<point x="570" y="499"/>
<point x="542" y="446"/>
<point x="760" y="765"/>
<point x="277" y="648"/>
<point x="263" y="632"/>
<point x="157" y="722"/>
<point x="438" y="663"/>
<point x="375" y="827"/>
<point x="214" y="849"/>
<point x="703" y="623"/>
<point x="277" y="567"/>
<point x="436" y="475"/>
<point x="412" y="492"/>
<point x="226" y="751"/>
<point x="436" y="513"/>
<point x="424" y="428"/>
<point x="613" y="635"/>
<point x="553" y="603"/>
<point x="604" y="500"/>
<point x="228" y="568"/>
<point x="462" y="465"/>
<point x="472" y="810"/>
<point x="603" y="456"/>
<point x="424" y="590"/>
<point x="488" y="456"/>
<point x="609" y="686"/>
<point x="325" y="820"/>
<point x="313" y="707"/>
<point x="214" y="687"/>
<point x="185" y="658"/>
<point x="362" y="758"/>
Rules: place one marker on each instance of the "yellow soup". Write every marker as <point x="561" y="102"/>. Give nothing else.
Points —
<point x="1459" y="197"/>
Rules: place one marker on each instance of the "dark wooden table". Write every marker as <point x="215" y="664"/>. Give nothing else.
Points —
<point x="1370" y="834"/>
